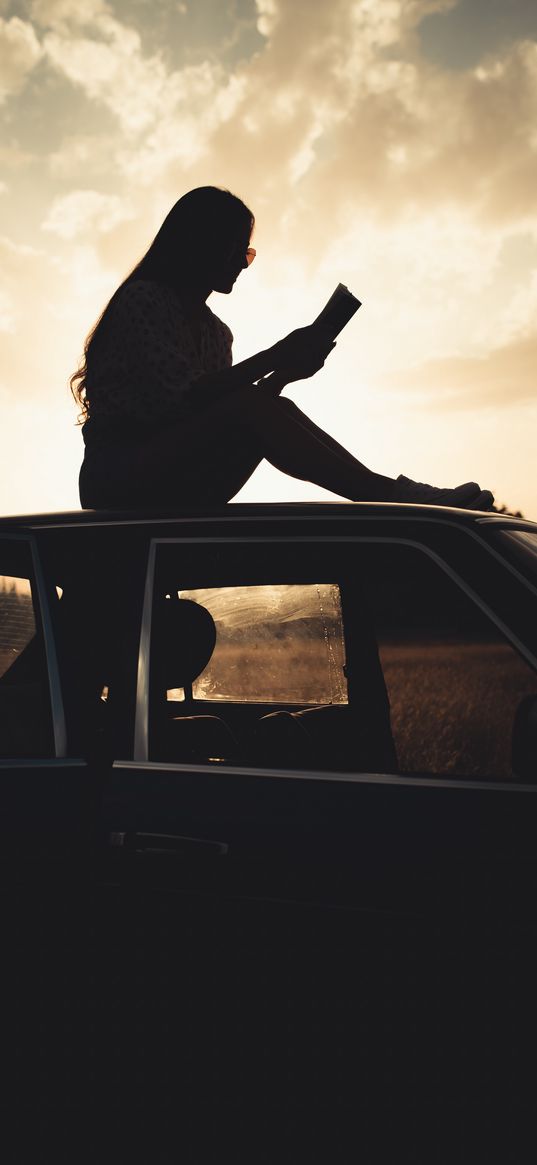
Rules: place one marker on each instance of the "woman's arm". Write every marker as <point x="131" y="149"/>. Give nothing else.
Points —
<point x="298" y="356"/>
<point x="239" y="375"/>
<point x="274" y="384"/>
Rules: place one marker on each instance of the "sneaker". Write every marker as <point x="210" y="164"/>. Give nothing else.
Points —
<point x="468" y="496"/>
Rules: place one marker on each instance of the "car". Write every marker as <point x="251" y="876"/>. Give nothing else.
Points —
<point x="271" y="720"/>
<point x="364" y="648"/>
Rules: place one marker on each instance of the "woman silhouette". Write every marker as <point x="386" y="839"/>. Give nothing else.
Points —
<point x="169" y="422"/>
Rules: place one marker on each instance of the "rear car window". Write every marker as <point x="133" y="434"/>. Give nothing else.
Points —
<point x="276" y="643"/>
<point x="25" y="712"/>
<point x="17" y="619"/>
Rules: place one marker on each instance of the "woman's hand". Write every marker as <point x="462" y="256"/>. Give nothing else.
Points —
<point x="302" y="353"/>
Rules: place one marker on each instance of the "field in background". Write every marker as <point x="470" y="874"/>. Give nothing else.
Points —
<point x="290" y="669"/>
<point x="453" y="705"/>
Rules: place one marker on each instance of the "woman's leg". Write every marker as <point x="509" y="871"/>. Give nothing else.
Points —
<point x="298" y="447"/>
<point x="207" y="458"/>
<point x="334" y="467"/>
<point x="215" y="453"/>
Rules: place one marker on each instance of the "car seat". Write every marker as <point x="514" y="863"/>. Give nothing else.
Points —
<point x="183" y="640"/>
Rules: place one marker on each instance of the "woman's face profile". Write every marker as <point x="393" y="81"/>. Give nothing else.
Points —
<point x="227" y="269"/>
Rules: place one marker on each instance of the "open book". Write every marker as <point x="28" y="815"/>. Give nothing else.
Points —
<point x="339" y="309"/>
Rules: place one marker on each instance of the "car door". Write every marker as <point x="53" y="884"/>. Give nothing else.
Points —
<point x="45" y="794"/>
<point x="413" y="585"/>
<point x="280" y="664"/>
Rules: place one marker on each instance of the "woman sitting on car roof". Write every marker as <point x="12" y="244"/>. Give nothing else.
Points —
<point x="169" y="421"/>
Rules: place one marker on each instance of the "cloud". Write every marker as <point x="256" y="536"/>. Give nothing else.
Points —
<point x="340" y="109"/>
<point x="66" y="14"/>
<point x="268" y="16"/>
<point x="412" y="138"/>
<point x="204" y="102"/>
<point x="384" y="129"/>
<point x="83" y="154"/>
<point x="20" y="52"/>
<point x="40" y="344"/>
<point x="112" y="71"/>
<point x="86" y="211"/>
<point x="13" y="157"/>
<point x="504" y="377"/>
<point x="163" y="114"/>
<point x="85" y="43"/>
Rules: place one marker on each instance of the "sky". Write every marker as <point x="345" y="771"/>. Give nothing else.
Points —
<point x="390" y="145"/>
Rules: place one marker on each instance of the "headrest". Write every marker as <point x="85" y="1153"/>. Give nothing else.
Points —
<point x="182" y="643"/>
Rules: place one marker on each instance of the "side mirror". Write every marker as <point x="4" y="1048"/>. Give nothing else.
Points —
<point x="524" y="740"/>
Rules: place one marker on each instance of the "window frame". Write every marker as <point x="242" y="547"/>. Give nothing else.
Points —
<point x="44" y="626"/>
<point x="141" y="718"/>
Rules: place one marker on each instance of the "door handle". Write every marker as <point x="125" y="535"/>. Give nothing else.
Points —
<point x="168" y="843"/>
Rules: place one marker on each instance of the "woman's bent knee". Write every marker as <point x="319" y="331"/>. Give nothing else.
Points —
<point x="254" y="405"/>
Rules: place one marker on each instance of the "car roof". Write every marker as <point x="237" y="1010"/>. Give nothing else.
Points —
<point x="259" y="511"/>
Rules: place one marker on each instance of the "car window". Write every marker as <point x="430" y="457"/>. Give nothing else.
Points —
<point x="249" y="661"/>
<point x="17" y="619"/>
<point x="25" y="716"/>
<point x="455" y="682"/>
<point x="275" y="643"/>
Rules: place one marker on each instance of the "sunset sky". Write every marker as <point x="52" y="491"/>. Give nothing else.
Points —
<point x="387" y="144"/>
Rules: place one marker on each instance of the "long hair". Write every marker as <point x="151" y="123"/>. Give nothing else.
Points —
<point x="199" y="228"/>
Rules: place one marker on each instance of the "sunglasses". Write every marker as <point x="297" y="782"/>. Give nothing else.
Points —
<point x="249" y="254"/>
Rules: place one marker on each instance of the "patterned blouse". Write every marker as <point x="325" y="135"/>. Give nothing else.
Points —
<point x="143" y="367"/>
